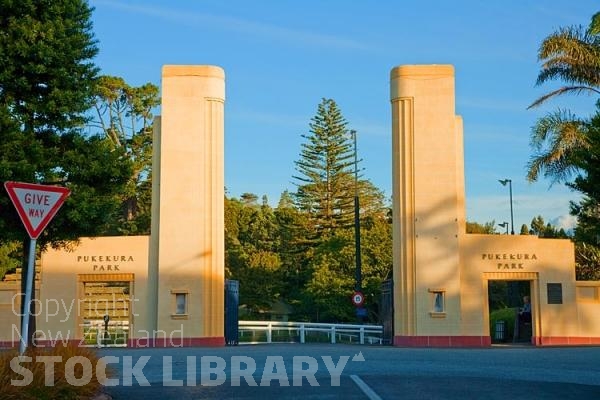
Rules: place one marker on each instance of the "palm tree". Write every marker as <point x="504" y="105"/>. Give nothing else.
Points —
<point x="556" y="138"/>
<point x="571" y="55"/>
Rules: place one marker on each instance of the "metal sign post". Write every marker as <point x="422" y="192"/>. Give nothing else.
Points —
<point x="36" y="205"/>
<point x="28" y="291"/>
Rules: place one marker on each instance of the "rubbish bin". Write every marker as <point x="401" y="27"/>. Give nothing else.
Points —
<point x="500" y="331"/>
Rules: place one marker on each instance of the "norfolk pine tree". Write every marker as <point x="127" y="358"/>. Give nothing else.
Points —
<point x="325" y="195"/>
<point x="325" y="191"/>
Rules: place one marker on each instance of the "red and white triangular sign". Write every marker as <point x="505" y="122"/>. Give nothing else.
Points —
<point x="36" y="204"/>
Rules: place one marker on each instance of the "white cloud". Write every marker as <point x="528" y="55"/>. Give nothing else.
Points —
<point x="566" y="222"/>
<point x="245" y="26"/>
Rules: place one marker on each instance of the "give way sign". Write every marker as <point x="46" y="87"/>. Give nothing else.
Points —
<point x="36" y="204"/>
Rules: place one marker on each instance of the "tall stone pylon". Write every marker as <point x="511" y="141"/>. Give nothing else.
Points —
<point x="186" y="262"/>
<point x="428" y="202"/>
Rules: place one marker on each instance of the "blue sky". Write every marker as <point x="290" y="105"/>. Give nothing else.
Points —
<point x="282" y="57"/>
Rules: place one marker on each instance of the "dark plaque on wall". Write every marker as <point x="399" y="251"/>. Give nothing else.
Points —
<point x="555" y="293"/>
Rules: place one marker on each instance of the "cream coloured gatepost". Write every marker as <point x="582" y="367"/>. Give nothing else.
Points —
<point x="187" y="240"/>
<point x="428" y="206"/>
<point x="162" y="290"/>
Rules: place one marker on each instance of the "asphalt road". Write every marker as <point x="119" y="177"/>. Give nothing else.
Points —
<point x="290" y="371"/>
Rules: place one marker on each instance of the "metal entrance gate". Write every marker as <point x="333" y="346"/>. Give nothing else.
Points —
<point x="387" y="311"/>
<point x="232" y="301"/>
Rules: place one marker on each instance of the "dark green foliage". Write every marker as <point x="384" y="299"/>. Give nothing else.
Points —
<point x="488" y="228"/>
<point x="46" y="70"/>
<point x="47" y="83"/>
<point x="9" y="257"/>
<point x="587" y="262"/>
<point x="252" y="244"/>
<point x="274" y="256"/>
<point x="587" y="211"/>
<point x="507" y="293"/>
<point x="538" y="225"/>
<point x="545" y="230"/>
<point x="333" y="265"/>
<point x="508" y="315"/>
<point x="587" y="182"/>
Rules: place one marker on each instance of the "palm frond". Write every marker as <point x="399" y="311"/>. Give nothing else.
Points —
<point x="556" y="139"/>
<point x="594" y="28"/>
<point x="561" y="91"/>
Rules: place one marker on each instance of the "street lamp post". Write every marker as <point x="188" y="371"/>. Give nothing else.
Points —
<point x="513" y="286"/>
<point x="358" y="272"/>
<point x="512" y="223"/>
<point x="504" y="225"/>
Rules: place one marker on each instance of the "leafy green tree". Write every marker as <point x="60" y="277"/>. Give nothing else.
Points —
<point x="538" y="225"/>
<point x="47" y="83"/>
<point x="371" y="199"/>
<point x="325" y="191"/>
<point x="377" y="261"/>
<point x="524" y="230"/>
<point x="273" y="256"/>
<point x="296" y="249"/>
<point x="249" y="199"/>
<point x="587" y="210"/>
<point x="587" y="262"/>
<point x="9" y="257"/>
<point x="328" y="292"/>
<point x="545" y="230"/>
<point x="285" y="200"/>
<point x="252" y="256"/>
<point x="124" y="115"/>
<point x="587" y="182"/>
<point x="570" y="55"/>
<point x="489" y="228"/>
<point x="332" y="282"/>
<point x="551" y="232"/>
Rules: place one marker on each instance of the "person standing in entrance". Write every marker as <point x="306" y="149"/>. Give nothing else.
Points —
<point x="525" y="311"/>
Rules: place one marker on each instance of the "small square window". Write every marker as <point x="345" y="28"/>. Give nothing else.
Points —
<point x="180" y="304"/>
<point x="438" y="303"/>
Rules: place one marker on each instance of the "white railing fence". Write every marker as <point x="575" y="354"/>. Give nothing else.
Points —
<point x="278" y="332"/>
